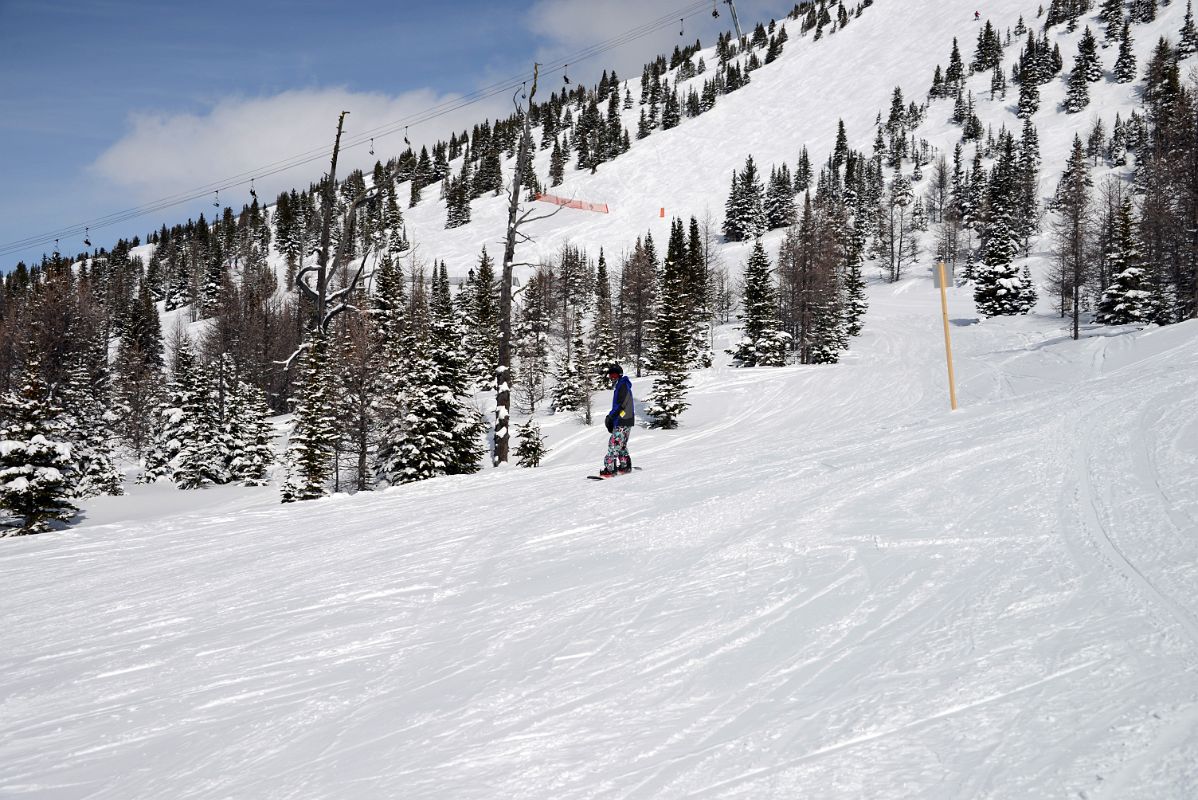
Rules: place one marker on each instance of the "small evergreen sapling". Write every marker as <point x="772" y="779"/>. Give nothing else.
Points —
<point x="530" y="449"/>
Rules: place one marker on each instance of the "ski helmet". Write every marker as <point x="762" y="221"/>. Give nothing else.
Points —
<point x="613" y="369"/>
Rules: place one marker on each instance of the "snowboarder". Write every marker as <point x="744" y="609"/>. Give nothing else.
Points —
<point x="977" y="16"/>
<point x="619" y="423"/>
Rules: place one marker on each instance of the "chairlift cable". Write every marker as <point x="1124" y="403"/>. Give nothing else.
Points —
<point x="300" y="159"/>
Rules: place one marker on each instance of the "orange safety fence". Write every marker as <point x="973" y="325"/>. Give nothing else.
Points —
<point x="562" y="201"/>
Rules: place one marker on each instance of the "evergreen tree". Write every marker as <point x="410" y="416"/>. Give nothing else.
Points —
<point x="248" y="427"/>
<point x="86" y="430"/>
<point x="1143" y="10"/>
<point x="458" y="418"/>
<point x="603" y="338"/>
<point x="763" y="343"/>
<point x="1127" y="300"/>
<point x="855" y="301"/>
<point x="315" y="428"/>
<point x="1000" y="288"/>
<point x="954" y="76"/>
<point x="1087" y="57"/>
<point x="416" y="445"/>
<point x="746" y="218"/>
<point x="530" y="451"/>
<point x="673" y="340"/>
<point x="1029" y="97"/>
<point x="557" y="164"/>
<point x="1077" y="96"/>
<point x="37" y="474"/>
<point x="184" y="421"/>
<point x="482" y="337"/>
<point x="802" y="179"/>
<point x="779" y="199"/>
<point x="571" y="392"/>
<point x="1125" y="64"/>
<point x="457" y="198"/>
<point x="1187" y="38"/>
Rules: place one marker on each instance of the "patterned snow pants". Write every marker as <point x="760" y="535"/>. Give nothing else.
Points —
<point x="618" y="459"/>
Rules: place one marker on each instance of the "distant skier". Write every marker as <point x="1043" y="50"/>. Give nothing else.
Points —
<point x="977" y="16"/>
<point x="619" y="423"/>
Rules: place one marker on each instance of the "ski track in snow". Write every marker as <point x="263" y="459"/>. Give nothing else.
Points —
<point x="823" y="585"/>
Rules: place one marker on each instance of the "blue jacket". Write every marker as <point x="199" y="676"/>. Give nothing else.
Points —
<point x="623" y="411"/>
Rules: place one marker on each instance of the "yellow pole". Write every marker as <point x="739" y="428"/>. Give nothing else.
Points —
<point x="948" y="341"/>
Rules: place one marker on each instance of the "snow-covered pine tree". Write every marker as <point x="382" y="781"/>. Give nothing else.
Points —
<point x="1000" y="288"/>
<point x="1111" y="11"/>
<point x="415" y="446"/>
<point x="802" y="178"/>
<point x="457" y="199"/>
<point x="1027" y="205"/>
<point x="247" y="425"/>
<point x="37" y="473"/>
<point x="745" y="210"/>
<point x="603" y="337"/>
<point x="854" y="300"/>
<point x="530" y="450"/>
<point x="482" y="338"/>
<point x="1143" y="10"/>
<point x="1126" y="300"/>
<point x="86" y="430"/>
<point x="389" y="323"/>
<point x="1125" y="64"/>
<point x="315" y="428"/>
<point x="205" y="449"/>
<point x="1077" y="93"/>
<point x="1029" y="95"/>
<point x="1187" y="37"/>
<point x="1087" y="57"/>
<point x="762" y="343"/>
<point x="672" y="343"/>
<point x="557" y="164"/>
<point x="170" y="428"/>
<point x="569" y="391"/>
<point x="779" y="199"/>
<point x="456" y="415"/>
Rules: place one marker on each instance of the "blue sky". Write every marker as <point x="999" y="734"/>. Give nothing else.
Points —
<point x="109" y="104"/>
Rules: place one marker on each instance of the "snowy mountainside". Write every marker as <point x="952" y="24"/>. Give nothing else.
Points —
<point x="795" y="101"/>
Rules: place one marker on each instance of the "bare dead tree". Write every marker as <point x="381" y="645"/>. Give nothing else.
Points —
<point x="516" y="220"/>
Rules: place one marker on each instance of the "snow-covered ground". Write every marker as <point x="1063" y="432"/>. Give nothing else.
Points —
<point x="825" y="584"/>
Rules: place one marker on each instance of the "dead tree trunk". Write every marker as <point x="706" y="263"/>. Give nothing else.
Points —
<point x="322" y="255"/>
<point x="503" y="373"/>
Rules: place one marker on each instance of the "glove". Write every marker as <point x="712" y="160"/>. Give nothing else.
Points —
<point x="608" y="422"/>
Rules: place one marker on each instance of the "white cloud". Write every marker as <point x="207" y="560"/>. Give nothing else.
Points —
<point x="163" y="154"/>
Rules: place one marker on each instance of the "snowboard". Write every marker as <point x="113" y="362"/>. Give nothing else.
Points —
<point x="601" y="478"/>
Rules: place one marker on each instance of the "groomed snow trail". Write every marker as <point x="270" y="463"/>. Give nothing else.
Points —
<point x="824" y="585"/>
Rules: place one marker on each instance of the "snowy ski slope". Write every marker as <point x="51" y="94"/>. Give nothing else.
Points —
<point x="824" y="585"/>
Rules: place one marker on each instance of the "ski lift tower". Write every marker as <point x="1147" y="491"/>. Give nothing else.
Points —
<point x="735" y="19"/>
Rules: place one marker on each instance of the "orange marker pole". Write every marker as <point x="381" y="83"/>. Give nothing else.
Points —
<point x="948" y="341"/>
